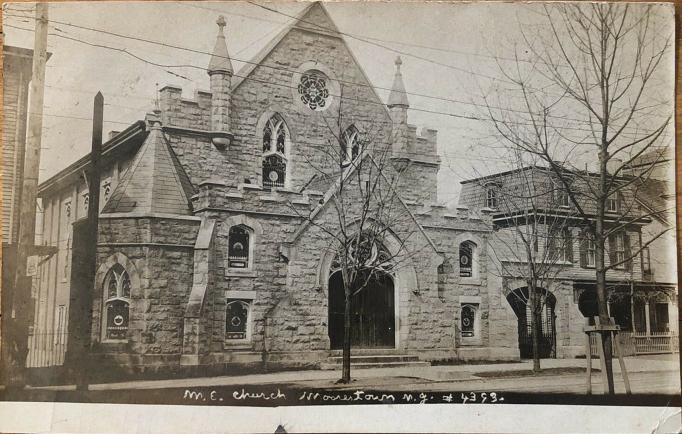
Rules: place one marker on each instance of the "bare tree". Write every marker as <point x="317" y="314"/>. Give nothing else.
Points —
<point x="586" y="97"/>
<point x="361" y="183"/>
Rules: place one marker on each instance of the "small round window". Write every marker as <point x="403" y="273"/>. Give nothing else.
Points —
<point x="314" y="90"/>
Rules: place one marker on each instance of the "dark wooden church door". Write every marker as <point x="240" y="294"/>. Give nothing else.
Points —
<point x="372" y="313"/>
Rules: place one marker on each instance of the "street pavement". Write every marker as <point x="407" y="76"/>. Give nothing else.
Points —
<point x="647" y="374"/>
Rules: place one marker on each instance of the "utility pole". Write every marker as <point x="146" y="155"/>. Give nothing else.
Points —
<point x="18" y="316"/>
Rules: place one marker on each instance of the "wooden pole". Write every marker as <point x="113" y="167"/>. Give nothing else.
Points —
<point x="588" y="357"/>
<point x="20" y="314"/>
<point x="89" y="261"/>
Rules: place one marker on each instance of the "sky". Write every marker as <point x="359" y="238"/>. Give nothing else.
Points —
<point x="451" y="56"/>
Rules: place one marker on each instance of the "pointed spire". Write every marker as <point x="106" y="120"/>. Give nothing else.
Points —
<point x="398" y="96"/>
<point x="155" y="182"/>
<point x="220" y="59"/>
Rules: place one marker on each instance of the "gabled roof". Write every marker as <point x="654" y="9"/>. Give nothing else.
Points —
<point x="155" y="183"/>
<point x="364" y="158"/>
<point x="652" y="193"/>
<point x="314" y="18"/>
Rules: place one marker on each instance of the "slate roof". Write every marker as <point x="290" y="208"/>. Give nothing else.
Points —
<point x="155" y="183"/>
<point x="653" y="194"/>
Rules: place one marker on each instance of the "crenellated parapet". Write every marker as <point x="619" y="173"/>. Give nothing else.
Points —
<point x="423" y="146"/>
<point x="459" y="218"/>
<point x="180" y="112"/>
<point x="216" y="195"/>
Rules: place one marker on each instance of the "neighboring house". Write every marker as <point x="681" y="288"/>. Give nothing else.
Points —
<point x="17" y="64"/>
<point x="201" y="259"/>
<point x="17" y="73"/>
<point x="639" y="298"/>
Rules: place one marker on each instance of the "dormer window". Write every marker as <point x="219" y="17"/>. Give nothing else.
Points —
<point x="491" y="199"/>
<point x="613" y="203"/>
<point x="561" y="197"/>
<point x="275" y="152"/>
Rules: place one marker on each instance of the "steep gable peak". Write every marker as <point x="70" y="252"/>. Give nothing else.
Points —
<point x="316" y="18"/>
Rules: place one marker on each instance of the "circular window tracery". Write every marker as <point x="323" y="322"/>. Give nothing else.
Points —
<point x="313" y="89"/>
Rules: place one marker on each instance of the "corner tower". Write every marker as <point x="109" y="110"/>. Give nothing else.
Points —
<point x="220" y="72"/>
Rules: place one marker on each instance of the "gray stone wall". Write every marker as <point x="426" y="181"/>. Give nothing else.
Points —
<point x="160" y="255"/>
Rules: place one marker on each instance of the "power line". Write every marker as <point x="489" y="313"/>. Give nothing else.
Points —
<point x="63" y="35"/>
<point x="524" y="112"/>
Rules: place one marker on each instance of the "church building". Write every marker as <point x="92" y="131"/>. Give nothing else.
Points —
<point x="208" y="251"/>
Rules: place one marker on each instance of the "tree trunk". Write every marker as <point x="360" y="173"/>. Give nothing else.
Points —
<point x="534" y="326"/>
<point x="601" y="296"/>
<point x="345" y="370"/>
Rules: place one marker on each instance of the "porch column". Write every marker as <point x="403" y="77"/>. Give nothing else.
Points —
<point x="646" y="317"/>
<point x="632" y="312"/>
<point x="608" y="307"/>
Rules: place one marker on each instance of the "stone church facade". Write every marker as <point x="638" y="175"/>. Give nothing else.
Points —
<point x="203" y="256"/>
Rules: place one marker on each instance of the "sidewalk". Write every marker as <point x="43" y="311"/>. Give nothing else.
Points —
<point x="398" y="375"/>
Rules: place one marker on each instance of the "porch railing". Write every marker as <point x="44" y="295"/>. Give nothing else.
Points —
<point x="635" y="343"/>
<point x="46" y="349"/>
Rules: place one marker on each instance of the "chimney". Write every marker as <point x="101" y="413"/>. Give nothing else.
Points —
<point x="614" y="164"/>
<point x="220" y="72"/>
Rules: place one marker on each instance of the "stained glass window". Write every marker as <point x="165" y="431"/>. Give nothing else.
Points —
<point x="466" y="259"/>
<point x="313" y="90"/>
<point x="238" y="249"/>
<point x="267" y="137"/>
<point x="237" y="320"/>
<point x="274" y="171"/>
<point x="117" y="305"/>
<point x="281" y="138"/>
<point x="467" y="320"/>
<point x="274" y="152"/>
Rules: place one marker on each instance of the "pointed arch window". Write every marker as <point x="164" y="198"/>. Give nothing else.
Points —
<point x="350" y="145"/>
<point x="276" y="143"/>
<point x="468" y="259"/>
<point x="117" y="288"/>
<point x="238" y="320"/>
<point x="240" y="245"/>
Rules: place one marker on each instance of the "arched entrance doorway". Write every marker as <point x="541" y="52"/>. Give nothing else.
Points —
<point x="372" y="312"/>
<point x="520" y="302"/>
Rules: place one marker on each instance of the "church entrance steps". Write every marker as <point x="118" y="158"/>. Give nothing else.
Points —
<point x="374" y="360"/>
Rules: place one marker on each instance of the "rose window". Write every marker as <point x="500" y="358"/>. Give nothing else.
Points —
<point x="313" y="90"/>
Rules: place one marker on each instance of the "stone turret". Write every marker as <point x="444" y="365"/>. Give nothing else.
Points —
<point x="220" y="72"/>
<point x="398" y="105"/>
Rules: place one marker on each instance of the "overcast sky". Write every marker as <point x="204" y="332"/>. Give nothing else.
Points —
<point x="448" y="52"/>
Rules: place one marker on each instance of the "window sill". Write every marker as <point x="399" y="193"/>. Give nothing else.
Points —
<point x="238" y="345"/>
<point x="470" y="342"/>
<point x="470" y="281"/>
<point x="239" y="273"/>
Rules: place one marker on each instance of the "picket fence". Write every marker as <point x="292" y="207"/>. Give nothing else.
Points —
<point x="637" y="343"/>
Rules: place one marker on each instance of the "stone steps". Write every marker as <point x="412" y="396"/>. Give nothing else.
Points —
<point x="374" y="360"/>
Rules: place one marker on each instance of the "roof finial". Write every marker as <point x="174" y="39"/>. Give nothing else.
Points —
<point x="398" y="95"/>
<point x="220" y="60"/>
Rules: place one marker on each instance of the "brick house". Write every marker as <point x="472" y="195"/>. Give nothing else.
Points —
<point x="203" y="257"/>
<point x="639" y="300"/>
